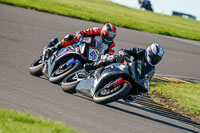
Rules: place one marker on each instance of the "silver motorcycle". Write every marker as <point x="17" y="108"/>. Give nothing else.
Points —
<point x="110" y="83"/>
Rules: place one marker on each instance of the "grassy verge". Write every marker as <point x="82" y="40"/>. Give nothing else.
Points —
<point x="178" y="96"/>
<point x="104" y="11"/>
<point x="15" y="122"/>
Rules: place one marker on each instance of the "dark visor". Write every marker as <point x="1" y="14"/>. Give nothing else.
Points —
<point x="154" y="59"/>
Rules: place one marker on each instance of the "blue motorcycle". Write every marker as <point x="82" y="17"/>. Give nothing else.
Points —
<point x="66" y="61"/>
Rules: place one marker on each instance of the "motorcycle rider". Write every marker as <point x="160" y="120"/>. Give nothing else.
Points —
<point x="146" y="4"/>
<point x="152" y="55"/>
<point x="105" y="36"/>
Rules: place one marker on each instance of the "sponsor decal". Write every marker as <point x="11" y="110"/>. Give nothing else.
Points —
<point x="65" y="52"/>
<point x="139" y="68"/>
<point x="145" y="85"/>
<point x="97" y="51"/>
<point x="70" y="62"/>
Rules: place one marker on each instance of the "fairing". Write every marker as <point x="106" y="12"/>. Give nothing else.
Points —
<point x="89" y="86"/>
<point x="137" y="73"/>
<point x="59" y="57"/>
<point x="81" y="52"/>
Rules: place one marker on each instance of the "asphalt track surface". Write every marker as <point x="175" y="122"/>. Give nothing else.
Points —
<point x="23" y="34"/>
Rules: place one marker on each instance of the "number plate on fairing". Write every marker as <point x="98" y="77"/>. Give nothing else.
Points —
<point x="93" y="54"/>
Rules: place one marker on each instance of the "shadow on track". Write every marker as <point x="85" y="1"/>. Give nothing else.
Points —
<point x="149" y="106"/>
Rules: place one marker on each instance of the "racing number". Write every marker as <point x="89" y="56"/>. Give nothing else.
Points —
<point x="93" y="55"/>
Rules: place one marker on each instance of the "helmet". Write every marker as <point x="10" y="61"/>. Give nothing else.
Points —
<point x="108" y="33"/>
<point x="154" y="54"/>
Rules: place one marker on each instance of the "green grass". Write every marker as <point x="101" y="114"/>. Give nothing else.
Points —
<point x="15" y="122"/>
<point x="104" y="11"/>
<point x="184" y="95"/>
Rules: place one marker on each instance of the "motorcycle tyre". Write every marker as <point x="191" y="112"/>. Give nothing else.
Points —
<point x="124" y="91"/>
<point x="35" y="68"/>
<point x="70" y="87"/>
<point x="59" y="78"/>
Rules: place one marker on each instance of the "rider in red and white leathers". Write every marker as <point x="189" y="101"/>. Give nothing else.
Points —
<point x="104" y="36"/>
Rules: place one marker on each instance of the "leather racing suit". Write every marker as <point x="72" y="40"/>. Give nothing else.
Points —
<point x="124" y="54"/>
<point x="94" y="33"/>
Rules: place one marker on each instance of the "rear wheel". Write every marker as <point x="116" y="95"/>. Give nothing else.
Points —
<point x="36" y="67"/>
<point x="58" y="75"/>
<point x="109" y="94"/>
<point x="70" y="82"/>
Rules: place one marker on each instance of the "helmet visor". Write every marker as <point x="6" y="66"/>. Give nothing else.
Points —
<point x="107" y="38"/>
<point x="155" y="59"/>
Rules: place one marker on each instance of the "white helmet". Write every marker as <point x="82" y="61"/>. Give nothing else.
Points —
<point x="154" y="54"/>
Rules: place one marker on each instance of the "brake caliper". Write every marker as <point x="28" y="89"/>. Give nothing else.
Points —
<point x="118" y="82"/>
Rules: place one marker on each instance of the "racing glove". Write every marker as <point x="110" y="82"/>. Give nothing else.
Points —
<point x="79" y="37"/>
<point x="91" y="66"/>
<point x="48" y="52"/>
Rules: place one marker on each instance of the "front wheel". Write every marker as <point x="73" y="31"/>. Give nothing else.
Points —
<point x="58" y="75"/>
<point x="70" y="82"/>
<point x="107" y="95"/>
<point x="36" y="67"/>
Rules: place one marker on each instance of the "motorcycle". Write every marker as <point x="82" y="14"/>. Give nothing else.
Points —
<point x="110" y="83"/>
<point x="65" y="61"/>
